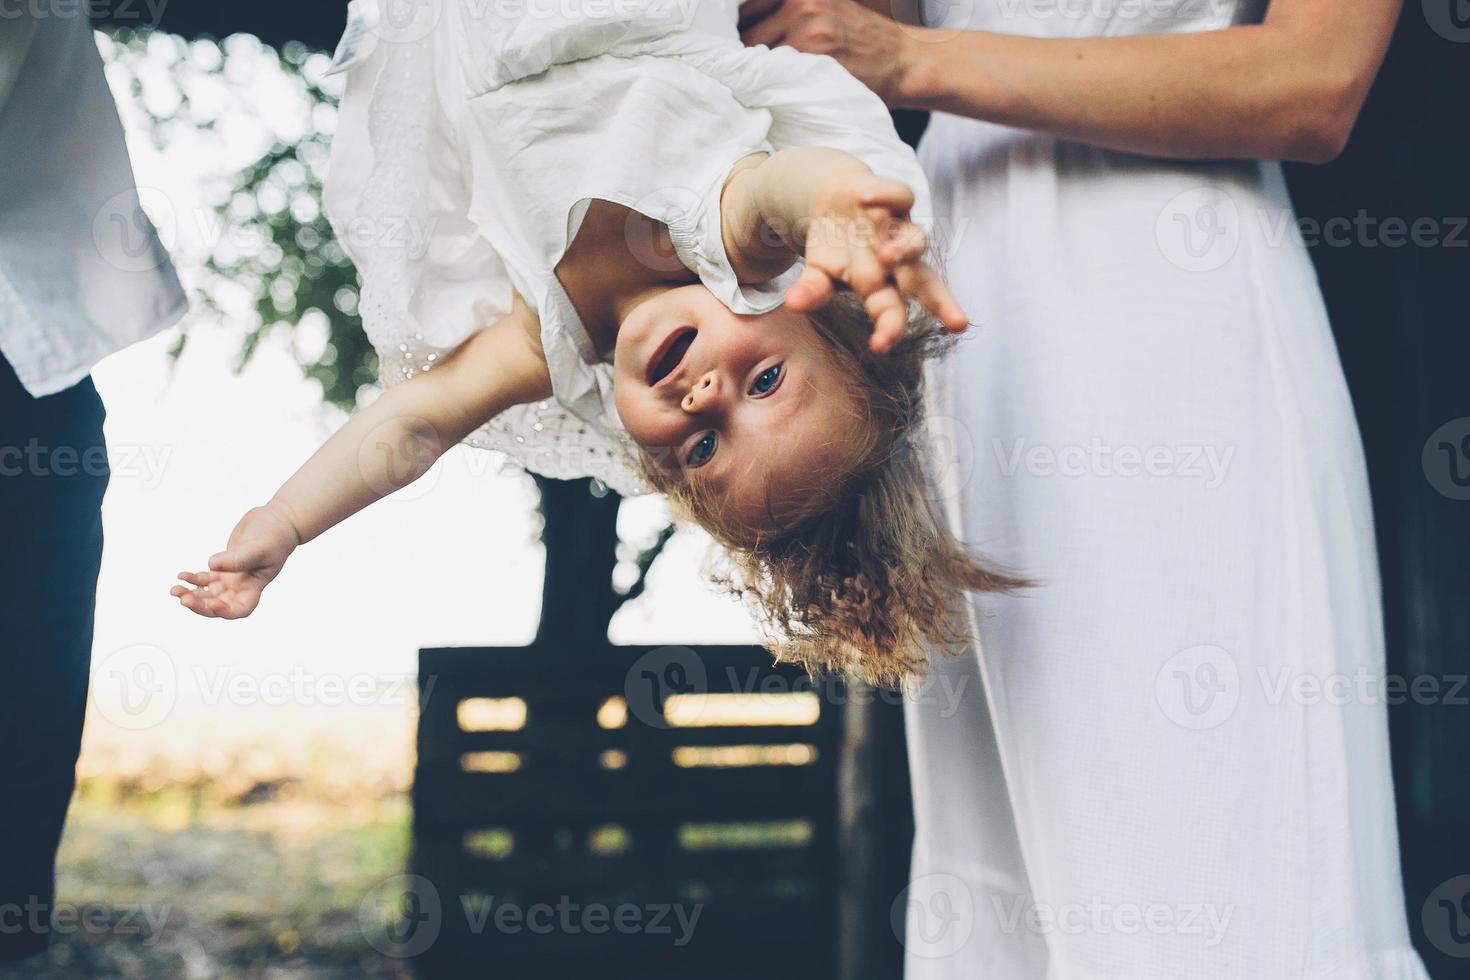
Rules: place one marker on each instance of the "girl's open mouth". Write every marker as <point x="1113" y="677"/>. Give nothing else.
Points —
<point x="670" y="354"/>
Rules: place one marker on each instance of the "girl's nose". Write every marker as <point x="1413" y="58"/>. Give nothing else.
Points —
<point x="705" y="390"/>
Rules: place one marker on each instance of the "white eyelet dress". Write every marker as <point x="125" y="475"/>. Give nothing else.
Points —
<point x="1169" y="759"/>
<point x="472" y="135"/>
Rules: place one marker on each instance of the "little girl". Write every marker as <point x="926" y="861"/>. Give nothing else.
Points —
<point x="574" y="231"/>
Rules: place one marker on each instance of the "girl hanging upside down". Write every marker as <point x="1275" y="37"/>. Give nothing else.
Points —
<point x="659" y="258"/>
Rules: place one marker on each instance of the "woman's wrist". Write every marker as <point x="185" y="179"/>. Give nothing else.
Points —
<point x="918" y="81"/>
<point x="943" y="70"/>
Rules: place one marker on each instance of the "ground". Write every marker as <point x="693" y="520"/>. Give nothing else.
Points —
<point x="179" y="883"/>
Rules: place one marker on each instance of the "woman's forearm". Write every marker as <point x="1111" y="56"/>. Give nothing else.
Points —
<point x="1289" y="88"/>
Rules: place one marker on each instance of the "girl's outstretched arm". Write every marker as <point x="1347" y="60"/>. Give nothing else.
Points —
<point x="850" y="225"/>
<point x="382" y="448"/>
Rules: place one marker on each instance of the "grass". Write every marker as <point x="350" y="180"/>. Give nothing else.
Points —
<point x="186" y="882"/>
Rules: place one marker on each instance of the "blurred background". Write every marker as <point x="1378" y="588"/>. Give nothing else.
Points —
<point x="246" y="803"/>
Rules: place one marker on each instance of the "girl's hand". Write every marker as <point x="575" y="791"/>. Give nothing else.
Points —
<point x="258" y="548"/>
<point x="860" y="234"/>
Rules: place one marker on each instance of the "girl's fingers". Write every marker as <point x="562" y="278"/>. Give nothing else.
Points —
<point x="197" y="578"/>
<point x="865" y="274"/>
<point x="921" y="282"/>
<point x="810" y="291"/>
<point x="894" y="194"/>
<point x="240" y="559"/>
<point x="197" y="602"/>
<point x="907" y="243"/>
<point x="889" y="313"/>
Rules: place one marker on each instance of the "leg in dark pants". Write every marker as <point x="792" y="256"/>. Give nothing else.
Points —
<point x="53" y="474"/>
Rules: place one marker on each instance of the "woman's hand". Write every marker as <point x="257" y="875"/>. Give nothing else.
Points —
<point x="860" y="234"/>
<point x="258" y="548"/>
<point x="875" y="49"/>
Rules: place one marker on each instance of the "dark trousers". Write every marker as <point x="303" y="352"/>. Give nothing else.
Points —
<point x="53" y="473"/>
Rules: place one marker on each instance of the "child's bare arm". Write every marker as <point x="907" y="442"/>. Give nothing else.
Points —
<point x="380" y="449"/>
<point x="395" y="440"/>
<point x="851" y="226"/>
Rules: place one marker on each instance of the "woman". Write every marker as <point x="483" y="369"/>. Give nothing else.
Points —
<point x="1169" y="759"/>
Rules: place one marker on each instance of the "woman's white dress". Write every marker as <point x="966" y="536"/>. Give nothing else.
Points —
<point x="1169" y="760"/>
<point x="472" y="136"/>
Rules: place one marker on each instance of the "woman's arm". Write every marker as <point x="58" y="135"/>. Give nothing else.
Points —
<point x="1289" y="88"/>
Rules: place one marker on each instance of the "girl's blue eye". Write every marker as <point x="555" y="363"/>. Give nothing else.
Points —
<point x="765" y="383"/>
<point x="702" y="451"/>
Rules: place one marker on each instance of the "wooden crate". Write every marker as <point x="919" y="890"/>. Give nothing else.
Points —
<point x="618" y="814"/>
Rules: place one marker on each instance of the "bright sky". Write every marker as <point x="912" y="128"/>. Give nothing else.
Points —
<point x="452" y="560"/>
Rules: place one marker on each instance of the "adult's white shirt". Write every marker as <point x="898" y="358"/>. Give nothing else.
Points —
<point x="82" y="271"/>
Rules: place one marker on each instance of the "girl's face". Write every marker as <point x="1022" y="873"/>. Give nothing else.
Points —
<point x="750" y="408"/>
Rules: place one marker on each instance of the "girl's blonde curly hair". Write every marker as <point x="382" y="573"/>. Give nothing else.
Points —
<point x="863" y="576"/>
